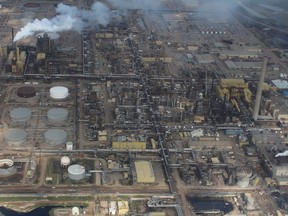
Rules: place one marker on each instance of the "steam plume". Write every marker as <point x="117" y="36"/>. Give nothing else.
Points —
<point x="282" y="154"/>
<point x="67" y="18"/>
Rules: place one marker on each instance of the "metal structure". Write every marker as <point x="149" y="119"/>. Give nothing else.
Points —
<point x="65" y="161"/>
<point x="15" y="136"/>
<point x="55" y="137"/>
<point x="26" y="92"/>
<point x="7" y="168"/>
<point x="69" y="146"/>
<point x="75" y="211"/>
<point x="57" y="114"/>
<point x="20" y="114"/>
<point x="59" y="92"/>
<point x="76" y="172"/>
<point x="259" y="90"/>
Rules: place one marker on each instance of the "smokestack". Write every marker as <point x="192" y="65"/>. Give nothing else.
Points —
<point x="17" y="54"/>
<point x="12" y="32"/>
<point x="259" y="90"/>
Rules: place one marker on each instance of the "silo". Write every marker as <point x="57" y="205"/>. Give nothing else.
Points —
<point x="7" y="168"/>
<point x="69" y="146"/>
<point x="76" y="172"/>
<point x="15" y="136"/>
<point x="55" y="137"/>
<point x="20" y="114"/>
<point x="26" y="92"/>
<point x="65" y="161"/>
<point x="57" y="114"/>
<point x="59" y="92"/>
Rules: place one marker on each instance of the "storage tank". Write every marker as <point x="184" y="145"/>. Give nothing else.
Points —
<point x="76" y="172"/>
<point x="26" y="92"/>
<point x="57" y="114"/>
<point x="20" y="114"/>
<point x="69" y="146"/>
<point x="65" y="161"/>
<point x="59" y="92"/>
<point x="75" y="211"/>
<point x="15" y="136"/>
<point x="7" y="168"/>
<point x="55" y="137"/>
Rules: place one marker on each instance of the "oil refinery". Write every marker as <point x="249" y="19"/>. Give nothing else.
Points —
<point x="117" y="107"/>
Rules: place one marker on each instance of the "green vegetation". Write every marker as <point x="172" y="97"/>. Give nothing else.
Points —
<point x="70" y="198"/>
<point x="17" y="199"/>
<point x="51" y="198"/>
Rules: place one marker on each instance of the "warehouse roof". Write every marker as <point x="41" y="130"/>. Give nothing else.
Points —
<point x="204" y="58"/>
<point x="144" y="172"/>
<point x="281" y="84"/>
<point x="243" y="65"/>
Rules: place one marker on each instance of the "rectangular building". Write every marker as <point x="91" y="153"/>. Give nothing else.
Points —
<point x="144" y="172"/>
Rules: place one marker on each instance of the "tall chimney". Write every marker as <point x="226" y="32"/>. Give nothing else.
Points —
<point x="259" y="90"/>
<point x="12" y="32"/>
<point x="17" y="54"/>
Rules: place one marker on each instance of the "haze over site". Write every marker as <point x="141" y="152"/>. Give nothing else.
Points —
<point x="72" y="18"/>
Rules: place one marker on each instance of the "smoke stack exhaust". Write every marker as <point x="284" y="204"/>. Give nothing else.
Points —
<point x="259" y="90"/>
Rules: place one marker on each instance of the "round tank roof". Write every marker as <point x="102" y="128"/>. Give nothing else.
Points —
<point x="65" y="161"/>
<point x="15" y="135"/>
<point x="55" y="136"/>
<point x="76" y="169"/>
<point x="57" y="114"/>
<point x="20" y="114"/>
<point x="26" y="91"/>
<point x="5" y="163"/>
<point x="59" y="92"/>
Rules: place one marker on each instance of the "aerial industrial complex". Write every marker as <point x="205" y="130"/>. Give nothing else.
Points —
<point x="162" y="108"/>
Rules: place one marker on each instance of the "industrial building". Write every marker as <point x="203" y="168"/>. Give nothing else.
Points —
<point x="144" y="172"/>
<point x="233" y="89"/>
<point x="244" y="54"/>
<point x="238" y="65"/>
<point x="144" y="98"/>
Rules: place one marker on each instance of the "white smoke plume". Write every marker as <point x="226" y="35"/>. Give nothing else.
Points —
<point x="68" y="18"/>
<point x="282" y="154"/>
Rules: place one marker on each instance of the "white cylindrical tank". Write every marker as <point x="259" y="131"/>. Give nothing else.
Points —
<point x="65" y="161"/>
<point x="20" y="114"/>
<point x="69" y="146"/>
<point x="76" y="172"/>
<point x="55" y="137"/>
<point x="7" y="168"/>
<point x="59" y="92"/>
<point x="57" y="114"/>
<point x="75" y="211"/>
<point x="15" y="136"/>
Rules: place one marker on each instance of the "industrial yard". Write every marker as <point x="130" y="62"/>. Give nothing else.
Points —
<point x="163" y="109"/>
